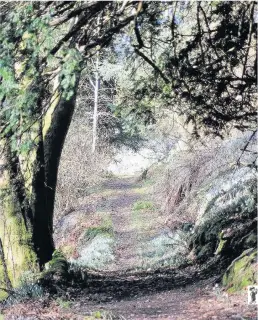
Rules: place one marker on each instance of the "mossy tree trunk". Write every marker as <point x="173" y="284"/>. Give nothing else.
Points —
<point x="28" y="186"/>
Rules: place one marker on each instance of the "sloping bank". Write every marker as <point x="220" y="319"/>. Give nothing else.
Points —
<point x="226" y="226"/>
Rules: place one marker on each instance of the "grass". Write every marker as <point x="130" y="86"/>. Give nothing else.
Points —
<point x="104" y="315"/>
<point x="64" y="304"/>
<point x="140" y="190"/>
<point x="92" y="232"/>
<point x="143" y="205"/>
<point x="105" y="228"/>
<point x="148" y="182"/>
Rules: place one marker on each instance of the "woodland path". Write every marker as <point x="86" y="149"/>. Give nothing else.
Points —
<point x="124" y="205"/>
<point x="133" y="227"/>
<point x="120" y="292"/>
<point x="198" y="301"/>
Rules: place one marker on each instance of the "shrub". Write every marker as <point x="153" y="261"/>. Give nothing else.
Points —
<point x="97" y="254"/>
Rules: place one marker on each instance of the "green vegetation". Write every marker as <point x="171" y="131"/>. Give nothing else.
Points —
<point x="105" y="228"/>
<point x="143" y="205"/>
<point x="97" y="314"/>
<point x="105" y="315"/>
<point x="65" y="304"/>
<point x="57" y="266"/>
<point x="92" y="232"/>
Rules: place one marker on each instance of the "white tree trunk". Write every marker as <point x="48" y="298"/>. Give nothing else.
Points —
<point x="95" y="112"/>
<point x="96" y="96"/>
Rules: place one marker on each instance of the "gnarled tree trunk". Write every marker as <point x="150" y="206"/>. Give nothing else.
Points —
<point x="27" y="190"/>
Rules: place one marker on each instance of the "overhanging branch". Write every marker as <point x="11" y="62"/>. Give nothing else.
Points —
<point x="154" y="66"/>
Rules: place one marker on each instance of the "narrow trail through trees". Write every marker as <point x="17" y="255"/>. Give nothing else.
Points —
<point x="127" y="289"/>
<point x="131" y="224"/>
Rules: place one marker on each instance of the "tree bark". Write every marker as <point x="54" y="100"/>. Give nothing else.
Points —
<point x="7" y="280"/>
<point x="44" y="184"/>
<point x="96" y="98"/>
<point x="28" y="190"/>
<point x="95" y="111"/>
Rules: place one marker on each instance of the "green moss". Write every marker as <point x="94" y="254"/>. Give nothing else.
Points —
<point x="97" y="315"/>
<point x="53" y="103"/>
<point x="3" y="295"/>
<point x="18" y="250"/>
<point x="241" y="272"/>
<point x="68" y="250"/>
<point x="58" y="264"/>
<point x="64" y="304"/>
<point x="141" y="190"/>
<point x="221" y="245"/>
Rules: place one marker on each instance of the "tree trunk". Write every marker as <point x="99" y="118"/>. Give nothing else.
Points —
<point x="95" y="112"/>
<point x="7" y="281"/>
<point x="27" y="190"/>
<point x="96" y="98"/>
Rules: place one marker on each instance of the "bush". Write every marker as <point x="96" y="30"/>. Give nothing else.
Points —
<point x="97" y="254"/>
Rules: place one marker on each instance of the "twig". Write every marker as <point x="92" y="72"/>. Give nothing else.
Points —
<point x="246" y="145"/>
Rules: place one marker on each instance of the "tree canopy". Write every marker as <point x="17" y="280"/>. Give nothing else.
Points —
<point x="202" y="55"/>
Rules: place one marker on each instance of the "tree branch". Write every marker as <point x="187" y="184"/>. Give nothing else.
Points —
<point x="246" y="145"/>
<point x="71" y="14"/>
<point x="155" y="67"/>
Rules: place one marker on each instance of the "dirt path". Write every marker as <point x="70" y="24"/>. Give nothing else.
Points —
<point x="133" y="227"/>
<point x="197" y="301"/>
<point x="117" y="291"/>
<point x="125" y="235"/>
<point x="193" y="302"/>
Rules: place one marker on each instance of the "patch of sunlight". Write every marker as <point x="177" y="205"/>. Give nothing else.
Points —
<point x="98" y="254"/>
<point x="163" y="250"/>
